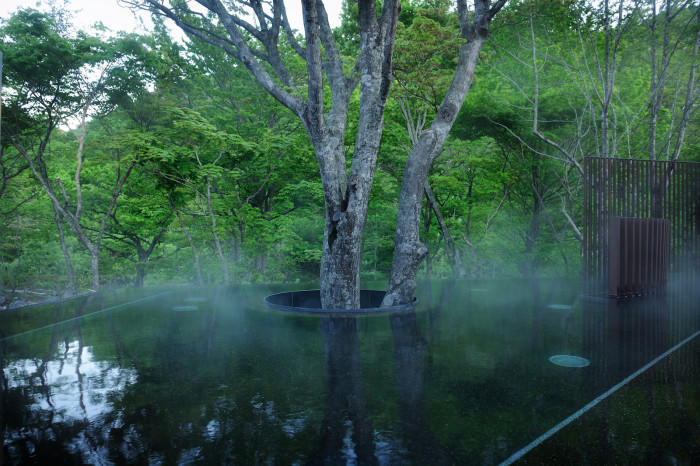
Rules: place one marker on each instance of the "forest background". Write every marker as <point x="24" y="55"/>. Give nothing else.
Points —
<point x="140" y="160"/>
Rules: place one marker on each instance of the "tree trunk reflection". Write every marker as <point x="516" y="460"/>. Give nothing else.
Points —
<point x="345" y="425"/>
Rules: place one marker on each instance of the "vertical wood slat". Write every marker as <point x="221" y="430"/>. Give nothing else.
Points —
<point x="595" y="219"/>
<point x="673" y="211"/>
<point x="586" y="223"/>
<point x="607" y="175"/>
<point x="696" y="219"/>
<point x="647" y="190"/>
<point x="682" y="218"/>
<point x="635" y="189"/>
<point x="596" y="216"/>
<point x="601" y="220"/>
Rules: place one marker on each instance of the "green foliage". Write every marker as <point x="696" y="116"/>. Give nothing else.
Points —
<point x="188" y="116"/>
<point x="425" y="55"/>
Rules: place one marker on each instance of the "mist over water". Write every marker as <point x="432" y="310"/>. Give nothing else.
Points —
<point x="465" y="378"/>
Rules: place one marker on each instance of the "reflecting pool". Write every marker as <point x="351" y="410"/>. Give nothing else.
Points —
<point x="194" y="376"/>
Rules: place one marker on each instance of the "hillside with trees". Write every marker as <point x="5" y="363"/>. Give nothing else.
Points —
<point x="417" y="141"/>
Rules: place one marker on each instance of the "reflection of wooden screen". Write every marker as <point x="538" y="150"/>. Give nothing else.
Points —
<point x="638" y="250"/>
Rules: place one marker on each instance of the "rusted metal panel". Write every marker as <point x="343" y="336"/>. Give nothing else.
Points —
<point x="638" y="255"/>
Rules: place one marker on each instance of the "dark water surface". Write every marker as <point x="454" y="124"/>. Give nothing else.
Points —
<point x="212" y="377"/>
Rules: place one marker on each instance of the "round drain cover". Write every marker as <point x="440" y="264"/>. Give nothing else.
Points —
<point x="185" y="308"/>
<point x="567" y="360"/>
<point x="563" y="307"/>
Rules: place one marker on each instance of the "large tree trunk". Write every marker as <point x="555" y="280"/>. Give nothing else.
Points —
<point x="140" y="274"/>
<point x="345" y="197"/>
<point x="427" y="221"/>
<point x="143" y="256"/>
<point x="340" y="259"/>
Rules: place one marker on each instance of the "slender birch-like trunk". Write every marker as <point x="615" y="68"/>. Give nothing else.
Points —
<point x="197" y="268"/>
<point x="66" y="256"/>
<point x="212" y="219"/>
<point x="408" y="250"/>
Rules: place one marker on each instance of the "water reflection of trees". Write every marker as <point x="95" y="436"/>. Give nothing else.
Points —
<point x="410" y="352"/>
<point x="347" y="433"/>
<point x="37" y="425"/>
<point x="346" y="430"/>
<point x="211" y="389"/>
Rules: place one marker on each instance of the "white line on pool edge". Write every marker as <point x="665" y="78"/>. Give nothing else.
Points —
<point x="111" y="308"/>
<point x="520" y="453"/>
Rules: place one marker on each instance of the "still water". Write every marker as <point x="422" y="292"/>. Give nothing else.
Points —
<point x="471" y="377"/>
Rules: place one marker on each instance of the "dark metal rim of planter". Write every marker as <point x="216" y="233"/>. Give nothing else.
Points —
<point x="309" y="302"/>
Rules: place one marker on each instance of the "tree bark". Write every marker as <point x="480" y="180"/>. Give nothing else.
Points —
<point x="347" y="199"/>
<point x="95" y="268"/>
<point x="66" y="256"/>
<point x="140" y="274"/>
<point x="143" y="255"/>
<point x="427" y="221"/>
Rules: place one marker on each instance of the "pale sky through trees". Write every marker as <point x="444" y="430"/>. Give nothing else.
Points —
<point x="117" y="17"/>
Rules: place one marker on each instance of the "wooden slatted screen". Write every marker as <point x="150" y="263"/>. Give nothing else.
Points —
<point x="641" y="189"/>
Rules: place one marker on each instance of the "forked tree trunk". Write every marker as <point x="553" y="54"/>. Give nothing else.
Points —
<point x="144" y="254"/>
<point x="346" y="198"/>
<point x="37" y="165"/>
<point x="408" y="250"/>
